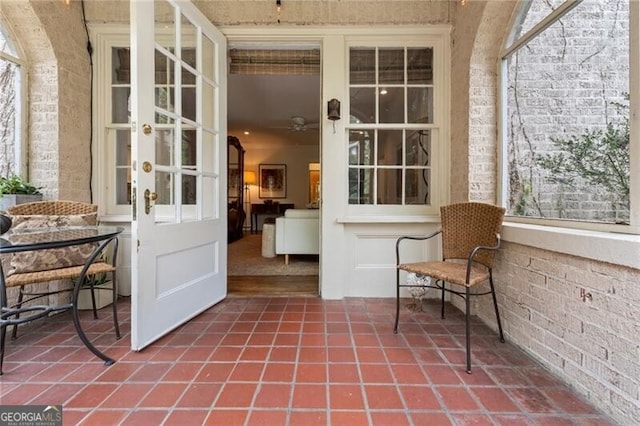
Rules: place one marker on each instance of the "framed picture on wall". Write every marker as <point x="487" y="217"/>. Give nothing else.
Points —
<point x="272" y="180"/>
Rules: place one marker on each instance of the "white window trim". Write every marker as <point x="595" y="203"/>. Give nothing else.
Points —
<point x="616" y="244"/>
<point x="439" y="39"/>
<point x="21" y="148"/>
<point x="103" y="37"/>
<point x="634" y="149"/>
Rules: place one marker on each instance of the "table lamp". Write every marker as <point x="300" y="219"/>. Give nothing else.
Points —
<point x="249" y="177"/>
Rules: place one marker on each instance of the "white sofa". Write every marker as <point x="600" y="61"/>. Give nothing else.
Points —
<point x="298" y="232"/>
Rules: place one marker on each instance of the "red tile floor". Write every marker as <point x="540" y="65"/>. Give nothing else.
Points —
<point x="289" y="361"/>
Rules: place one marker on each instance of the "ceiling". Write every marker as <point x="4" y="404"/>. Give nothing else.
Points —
<point x="264" y="104"/>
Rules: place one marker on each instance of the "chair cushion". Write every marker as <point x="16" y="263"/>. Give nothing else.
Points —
<point x="451" y="272"/>
<point x="42" y="260"/>
<point x="46" y="220"/>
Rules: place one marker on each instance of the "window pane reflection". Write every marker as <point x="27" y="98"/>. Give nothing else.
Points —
<point x="390" y="147"/>
<point x="392" y="106"/>
<point x="361" y="186"/>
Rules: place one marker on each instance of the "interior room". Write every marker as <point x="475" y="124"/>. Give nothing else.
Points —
<point x="273" y="114"/>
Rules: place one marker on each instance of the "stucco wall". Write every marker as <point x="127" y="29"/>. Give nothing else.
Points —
<point x="299" y="12"/>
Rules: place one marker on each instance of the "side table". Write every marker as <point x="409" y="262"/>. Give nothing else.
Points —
<point x="266" y="209"/>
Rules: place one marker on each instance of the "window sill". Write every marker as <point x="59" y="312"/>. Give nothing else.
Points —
<point x="618" y="249"/>
<point x="388" y="219"/>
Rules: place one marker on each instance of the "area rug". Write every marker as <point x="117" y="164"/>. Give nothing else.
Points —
<point x="245" y="258"/>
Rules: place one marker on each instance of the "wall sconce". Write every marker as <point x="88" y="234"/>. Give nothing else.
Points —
<point x="333" y="111"/>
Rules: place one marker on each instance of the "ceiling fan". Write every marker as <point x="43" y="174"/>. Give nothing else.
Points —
<point x="298" y="124"/>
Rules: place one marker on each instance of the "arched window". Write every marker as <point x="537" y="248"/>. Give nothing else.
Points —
<point x="567" y="77"/>
<point x="11" y="104"/>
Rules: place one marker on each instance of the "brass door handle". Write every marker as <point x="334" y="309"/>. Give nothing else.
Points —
<point x="148" y="198"/>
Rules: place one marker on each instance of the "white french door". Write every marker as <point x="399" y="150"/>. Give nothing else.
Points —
<point x="179" y="231"/>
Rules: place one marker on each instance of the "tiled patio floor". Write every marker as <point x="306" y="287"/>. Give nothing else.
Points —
<point x="289" y="361"/>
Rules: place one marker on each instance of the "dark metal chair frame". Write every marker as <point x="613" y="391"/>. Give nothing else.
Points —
<point x="470" y="238"/>
<point x="62" y="207"/>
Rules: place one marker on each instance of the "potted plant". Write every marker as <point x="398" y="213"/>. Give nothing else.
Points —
<point x="16" y="190"/>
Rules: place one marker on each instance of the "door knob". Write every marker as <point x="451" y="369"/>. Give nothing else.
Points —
<point x="148" y="198"/>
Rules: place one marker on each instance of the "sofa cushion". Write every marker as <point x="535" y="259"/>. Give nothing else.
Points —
<point x="302" y="213"/>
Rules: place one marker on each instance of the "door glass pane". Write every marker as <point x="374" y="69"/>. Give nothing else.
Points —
<point x="392" y="105"/>
<point x="418" y="148"/>
<point x="420" y="66"/>
<point x="362" y="66"/>
<point x="164" y="147"/>
<point x="417" y="186"/>
<point x="363" y="104"/>
<point x="165" y="69"/>
<point x="208" y="111"/>
<point x="208" y="58"/>
<point x="390" y="147"/>
<point x="208" y="156"/>
<point x="188" y="77"/>
<point x="420" y="108"/>
<point x="165" y="27"/>
<point x="189" y="189"/>
<point x="163" y="119"/>
<point x="189" y="37"/>
<point x="389" y="186"/>
<point x="189" y="103"/>
<point x="189" y="149"/>
<point x="391" y="66"/>
<point x="165" y="188"/>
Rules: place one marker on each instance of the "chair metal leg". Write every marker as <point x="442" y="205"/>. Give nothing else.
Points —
<point x="444" y="283"/>
<point x="91" y="282"/>
<point x="114" y="303"/>
<point x="395" y="327"/>
<point x="495" y="305"/>
<point x="3" y="336"/>
<point x="14" y="332"/>
<point x="468" y="328"/>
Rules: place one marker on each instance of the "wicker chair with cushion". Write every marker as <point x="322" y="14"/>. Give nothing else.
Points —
<point x="470" y="237"/>
<point x="34" y="267"/>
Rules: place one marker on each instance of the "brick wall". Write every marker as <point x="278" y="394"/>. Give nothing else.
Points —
<point x="52" y="37"/>
<point x="591" y="344"/>
<point x="578" y="317"/>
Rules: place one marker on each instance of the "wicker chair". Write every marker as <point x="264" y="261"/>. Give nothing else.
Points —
<point x="63" y="208"/>
<point x="470" y="238"/>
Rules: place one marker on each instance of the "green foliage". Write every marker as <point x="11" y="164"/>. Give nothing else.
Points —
<point x="15" y="184"/>
<point x="599" y="158"/>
